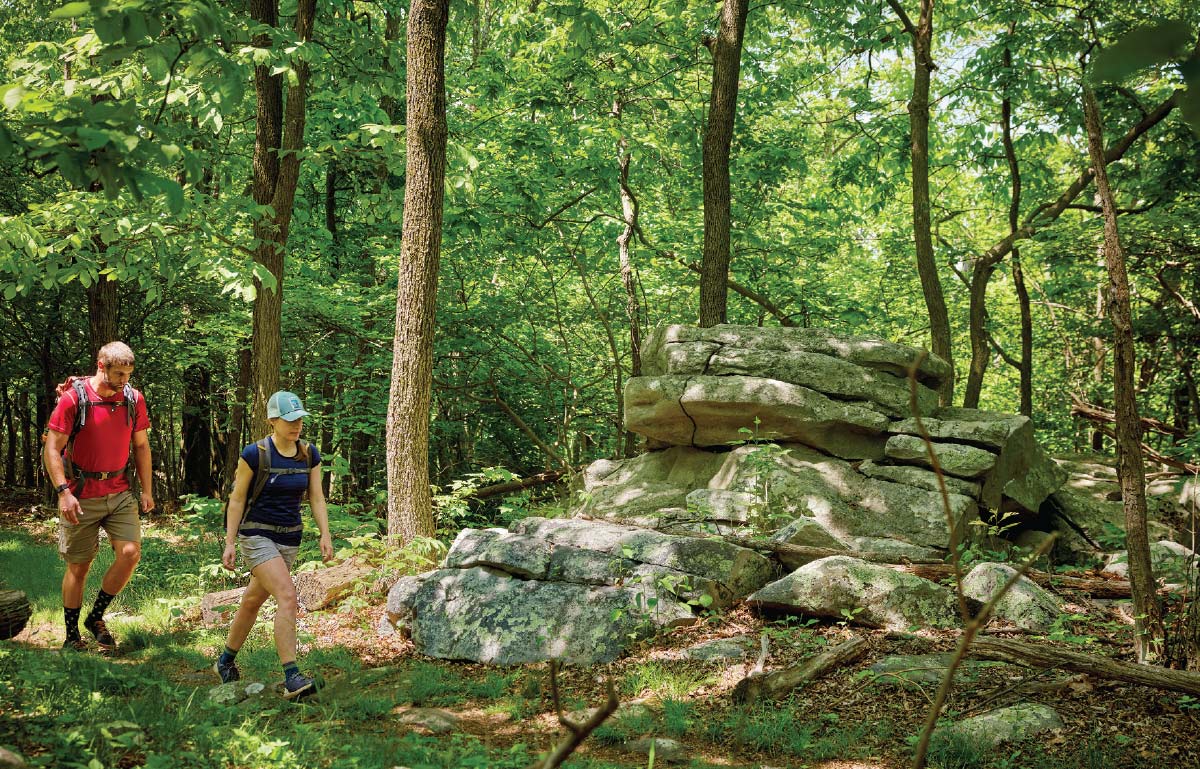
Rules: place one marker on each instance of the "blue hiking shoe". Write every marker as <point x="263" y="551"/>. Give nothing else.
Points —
<point x="298" y="686"/>
<point x="228" y="672"/>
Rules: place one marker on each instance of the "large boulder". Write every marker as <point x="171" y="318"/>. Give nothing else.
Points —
<point x="485" y="615"/>
<point x="844" y="588"/>
<point x="717" y="411"/>
<point x="668" y="343"/>
<point x="1021" y="474"/>
<point x="829" y="374"/>
<point x="735" y="570"/>
<point x="1026" y="604"/>
<point x="1091" y="499"/>
<point x="1010" y="724"/>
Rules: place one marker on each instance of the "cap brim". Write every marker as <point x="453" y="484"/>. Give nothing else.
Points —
<point x="292" y="416"/>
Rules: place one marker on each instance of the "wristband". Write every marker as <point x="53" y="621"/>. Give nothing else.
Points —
<point x="60" y="488"/>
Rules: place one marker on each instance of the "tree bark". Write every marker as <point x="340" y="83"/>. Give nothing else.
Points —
<point x="921" y="34"/>
<point x="726" y="50"/>
<point x="633" y="311"/>
<point x="1042" y="656"/>
<point x="777" y="684"/>
<point x="982" y="271"/>
<point x="103" y="311"/>
<point x="196" y="429"/>
<point x="279" y="138"/>
<point x="1149" y="631"/>
<point x="237" y="416"/>
<point x="410" y="505"/>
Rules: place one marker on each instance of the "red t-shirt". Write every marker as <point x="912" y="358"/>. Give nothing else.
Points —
<point x="103" y="443"/>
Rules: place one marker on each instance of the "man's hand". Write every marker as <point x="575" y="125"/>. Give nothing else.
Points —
<point x="326" y="548"/>
<point x="147" y="501"/>
<point x="68" y="507"/>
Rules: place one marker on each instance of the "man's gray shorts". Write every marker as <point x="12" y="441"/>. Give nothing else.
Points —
<point x="257" y="550"/>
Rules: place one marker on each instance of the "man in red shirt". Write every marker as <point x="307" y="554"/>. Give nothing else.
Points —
<point x="96" y="493"/>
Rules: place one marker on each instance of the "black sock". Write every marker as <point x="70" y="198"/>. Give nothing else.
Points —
<point x="228" y="655"/>
<point x="103" y="599"/>
<point x="290" y="669"/>
<point x="71" y="619"/>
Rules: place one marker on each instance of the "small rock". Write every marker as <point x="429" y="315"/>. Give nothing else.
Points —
<point x="430" y="719"/>
<point x="11" y="760"/>
<point x="721" y="649"/>
<point x="666" y="750"/>
<point x="227" y="694"/>
<point x="1009" y="724"/>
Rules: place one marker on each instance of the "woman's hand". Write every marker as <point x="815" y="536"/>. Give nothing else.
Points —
<point x="326" y="547"/>
<point x="229" y="557"/>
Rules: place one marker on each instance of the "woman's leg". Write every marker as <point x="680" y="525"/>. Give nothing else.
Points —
<point x="247" y="612"/>
<point x="276" y="579"/>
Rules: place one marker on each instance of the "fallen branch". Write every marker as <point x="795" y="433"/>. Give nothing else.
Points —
<point x="758" y="687"/>
<point x="576" y="733"/>
<point x="1097" y="414"/>
<point x="511" y="487"/>
<point x="1097" y="587"/>
<point x="1040" y="655"/>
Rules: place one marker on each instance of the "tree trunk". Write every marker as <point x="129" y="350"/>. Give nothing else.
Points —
<point x="410" y="506"/>
<point x="1149" y="631"/>
<point x="918" y="119"/>
<point x="103" y="311"/>
<point x="279" y="138"/>
<point x="982" y="272"/>
<point x="236" y="428"/>
<point x="633" y="311"/>
<point x="196" y="427"/>
<point x="10" y="434"/>
<point x="27" y="473"/>
<point x="726" y="50"/>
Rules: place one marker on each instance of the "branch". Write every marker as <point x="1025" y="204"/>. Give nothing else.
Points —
<point x="577" y="733"/>
<point x="909" y="27"/>
<point x="1102" y="415"/>
<point x="1048" y="212"/>
<point x="762" y="301"/>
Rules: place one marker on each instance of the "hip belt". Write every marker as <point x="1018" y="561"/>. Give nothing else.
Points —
<point x="255" y="525"/>
<point x="98" y="476"/>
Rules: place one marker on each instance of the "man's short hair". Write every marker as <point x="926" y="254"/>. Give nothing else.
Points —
<point x="115" y="354"/>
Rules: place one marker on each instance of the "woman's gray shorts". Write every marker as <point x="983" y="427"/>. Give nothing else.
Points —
<point x="257" y="550"/>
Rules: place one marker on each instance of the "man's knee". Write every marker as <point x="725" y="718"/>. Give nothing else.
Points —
<point x="78" y="570"/>
<point x="128" y="553"/>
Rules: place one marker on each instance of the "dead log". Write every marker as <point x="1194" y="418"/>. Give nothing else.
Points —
<point x="775" y="685"/>
<point x="1043" y="656"/>
<point x="14" y="613"/>
<point x="218" y="608"/>
<point x="1097" y="587"/>
<point x="324" y="587"/>
<point x="512" y="487"/>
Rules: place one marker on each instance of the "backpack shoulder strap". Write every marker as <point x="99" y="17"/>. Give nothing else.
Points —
<point x="130" y="403"/>
<point x="263" y="473"/>
<point x="82" y="404"/>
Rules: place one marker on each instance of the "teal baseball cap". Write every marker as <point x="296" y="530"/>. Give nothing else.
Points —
<point x="286" y="406"/>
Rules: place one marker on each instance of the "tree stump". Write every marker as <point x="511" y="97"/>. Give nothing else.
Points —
<point x="14" y="612"/>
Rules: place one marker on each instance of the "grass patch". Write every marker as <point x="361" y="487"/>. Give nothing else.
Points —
<point x="666" y="681"/>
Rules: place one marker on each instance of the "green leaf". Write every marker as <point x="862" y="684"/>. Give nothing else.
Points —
<point x="1140" y="48"/>
<point x="71" y="10"/>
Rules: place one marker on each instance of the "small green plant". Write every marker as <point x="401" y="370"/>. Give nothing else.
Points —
<point x="1063" y="629"/>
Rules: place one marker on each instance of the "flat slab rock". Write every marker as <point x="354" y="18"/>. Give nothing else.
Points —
<point x="717" y="411"/>
<point x="668" y="342"/>
<point x="485" y="615"/>
<point x="580" y="591"/>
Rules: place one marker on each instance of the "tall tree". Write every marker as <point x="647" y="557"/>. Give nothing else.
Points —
<point x="726" y="50"/>
<point x="1149" y="632"/>
<point x="410" y="506"/>
<point x="278" y="141"/>
<point x="921" y="34"/>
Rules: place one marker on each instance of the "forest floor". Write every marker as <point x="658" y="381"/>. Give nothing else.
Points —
<point x="849" y="719"/>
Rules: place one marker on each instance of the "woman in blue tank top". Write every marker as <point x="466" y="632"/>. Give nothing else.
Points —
<point x="268" y="534"/>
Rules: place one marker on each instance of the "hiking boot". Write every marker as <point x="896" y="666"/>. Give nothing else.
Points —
<point x="298" y="687"/>
<point x="228" y="673"/>
<point x="104" y="639"/>
<point x="78" y="645"/>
